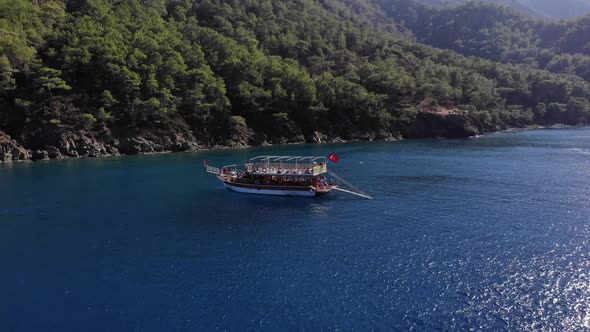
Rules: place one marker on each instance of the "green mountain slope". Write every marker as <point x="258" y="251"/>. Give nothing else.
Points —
<point x="499" y="34"/>
<point x="535" y="8"/>
<point x="96" y="77"/>
<point x="558" y="9"/>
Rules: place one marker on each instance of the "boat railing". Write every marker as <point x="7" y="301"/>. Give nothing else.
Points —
<point x="273" y="181"/>
<point x="212" y="170"/>
<point x="286" y="169"/>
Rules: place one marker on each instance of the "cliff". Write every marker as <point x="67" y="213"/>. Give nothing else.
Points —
<point x="64" y="143"/>
<point x="11" y="151"/>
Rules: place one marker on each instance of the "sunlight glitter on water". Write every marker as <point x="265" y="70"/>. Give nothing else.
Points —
<point x="546" y="293"/>
<point x="487" y="234"/>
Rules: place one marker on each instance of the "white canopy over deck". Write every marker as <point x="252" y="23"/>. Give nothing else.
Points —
<point x="284" y="165"/>
<point x="289" y="159"/>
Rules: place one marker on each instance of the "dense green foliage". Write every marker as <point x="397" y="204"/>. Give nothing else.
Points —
<point x="499" y="34"/>
<point x="266" y="70"/>
<point x="534" y="8"/>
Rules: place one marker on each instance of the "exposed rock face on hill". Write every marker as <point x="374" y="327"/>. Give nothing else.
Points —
<point x="150" y="142"/>
<point x="62" y="143"/>
<point x="73" y="144"/>
<point x="444" y="125"/>
<point x="10" y="150"/>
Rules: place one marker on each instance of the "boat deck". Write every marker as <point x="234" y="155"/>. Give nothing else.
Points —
<point x="283" y="175"/>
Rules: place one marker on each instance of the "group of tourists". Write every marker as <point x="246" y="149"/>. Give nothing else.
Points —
<point x="322" y="182"/>
<point x="295" y="171"/>
<point x="277" y="175"/>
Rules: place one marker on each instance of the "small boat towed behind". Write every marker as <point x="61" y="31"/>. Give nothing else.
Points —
<point x="304" y="176"/>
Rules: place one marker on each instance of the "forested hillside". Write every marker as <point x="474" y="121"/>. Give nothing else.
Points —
<point x="100" y="77"/>
<point x="499" y="34"/>
<point x="534" y="8"/>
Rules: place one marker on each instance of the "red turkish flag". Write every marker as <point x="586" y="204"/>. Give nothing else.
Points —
<point x="334" y="158"/>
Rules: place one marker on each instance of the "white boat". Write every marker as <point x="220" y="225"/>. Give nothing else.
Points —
<point x="277" y="175"/>
<point x="284" y="176"/>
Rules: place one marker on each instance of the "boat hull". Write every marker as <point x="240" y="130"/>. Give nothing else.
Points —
<point x="261" y="190"/>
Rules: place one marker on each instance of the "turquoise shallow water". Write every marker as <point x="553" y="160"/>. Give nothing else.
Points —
<point x="490" y="233"/>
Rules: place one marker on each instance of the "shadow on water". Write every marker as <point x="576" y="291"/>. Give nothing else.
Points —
<point x="228" y="207"/>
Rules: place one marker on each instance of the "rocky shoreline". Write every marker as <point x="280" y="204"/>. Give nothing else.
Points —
<point x="86" y="144"/>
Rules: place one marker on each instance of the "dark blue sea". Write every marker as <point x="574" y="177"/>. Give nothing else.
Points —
<point x="488" y="234"/>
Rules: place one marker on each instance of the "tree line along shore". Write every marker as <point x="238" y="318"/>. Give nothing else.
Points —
<point x="96" y="78"/>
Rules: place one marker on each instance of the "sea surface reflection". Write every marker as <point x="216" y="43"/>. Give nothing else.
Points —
<point x="490" y="233"/>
